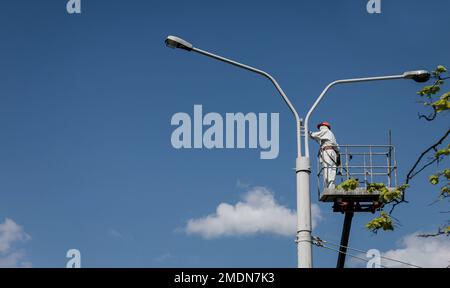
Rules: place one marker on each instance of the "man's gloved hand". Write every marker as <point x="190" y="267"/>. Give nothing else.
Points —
<point x="310" y="133"/>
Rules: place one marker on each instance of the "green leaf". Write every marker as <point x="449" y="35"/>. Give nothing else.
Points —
<point x="445" y="190"/>
<point x="373" y="187"/>
<point x="383" y="222"/>
<point x="386" y="195"/>
<point x="349" y="185"/>
<point x="441" y="105"/>
<point x="447" y="173"/>
<point x="389" y="196"/>
<point x="429" y="90"/>
<point x="442" y="152"/>
<point x="441" y="69"/>
<point x="434" y="179"/>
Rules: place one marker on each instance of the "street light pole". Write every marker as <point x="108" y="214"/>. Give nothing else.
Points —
<point x="303" y="165"/>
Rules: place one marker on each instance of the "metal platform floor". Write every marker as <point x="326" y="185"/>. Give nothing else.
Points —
<point x="357" y="195"/>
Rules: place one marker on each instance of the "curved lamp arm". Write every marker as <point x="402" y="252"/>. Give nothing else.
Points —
<point x="308" y="116"/>
<point x="176" y="42"/>
<point x="268" y="76"/>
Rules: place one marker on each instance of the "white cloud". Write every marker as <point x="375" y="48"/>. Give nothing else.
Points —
<point x="15" y="260"/>
<point x="432" y="252"/>
<point x="10" y="234"/>
<point x="259" y="212"/>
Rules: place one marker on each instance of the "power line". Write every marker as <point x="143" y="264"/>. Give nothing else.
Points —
<point x="383" y="257"/>
<point x="348" y="254"/>
<point x="320" y="243"/>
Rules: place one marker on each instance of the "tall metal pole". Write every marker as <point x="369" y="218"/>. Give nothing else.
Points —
<point x="304" y="226"/>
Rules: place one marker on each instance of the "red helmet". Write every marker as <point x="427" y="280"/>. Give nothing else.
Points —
<point x="324" y="124"/>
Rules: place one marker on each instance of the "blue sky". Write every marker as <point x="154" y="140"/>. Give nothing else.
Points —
<point x="86" y="100"/>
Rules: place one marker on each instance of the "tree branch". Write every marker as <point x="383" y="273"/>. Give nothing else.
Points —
<point x="397" y="202"/>
<point x="424" y="167"/>
<point x="411" y="174"/>
<point x="431" y="116"/>
<point x="439" y="233"/>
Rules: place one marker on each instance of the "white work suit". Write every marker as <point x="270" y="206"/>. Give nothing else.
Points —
<point x="328" y="156"/>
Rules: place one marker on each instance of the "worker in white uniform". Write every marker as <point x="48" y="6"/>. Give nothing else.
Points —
<point x="329" y="152"/>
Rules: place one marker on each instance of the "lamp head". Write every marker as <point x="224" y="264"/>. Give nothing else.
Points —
<point x="176" y="42"/>
<point x="419" y="76"/>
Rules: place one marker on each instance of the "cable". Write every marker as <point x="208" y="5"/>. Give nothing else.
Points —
<point x="350" y="255"/>
<point x="362" y="251"/>
<point x="383" y="257"/>
<point x="320" y="242"/>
